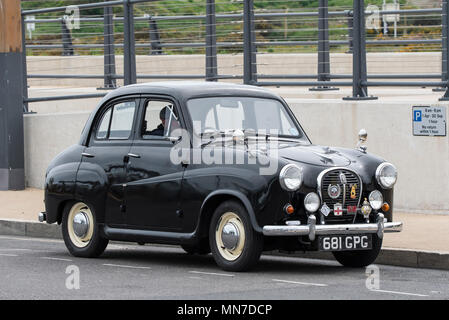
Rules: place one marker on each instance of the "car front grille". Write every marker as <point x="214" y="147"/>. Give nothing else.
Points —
<point x="353" y="184"/>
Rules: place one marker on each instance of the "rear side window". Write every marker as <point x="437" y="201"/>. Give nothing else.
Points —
<point x="117" y="122"/>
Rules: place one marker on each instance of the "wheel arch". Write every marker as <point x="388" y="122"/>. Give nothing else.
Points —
<point x="214" y="199"/>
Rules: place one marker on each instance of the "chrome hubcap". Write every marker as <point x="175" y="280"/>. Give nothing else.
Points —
<point x="81" y="224"/>
<point x="230" y="236"/>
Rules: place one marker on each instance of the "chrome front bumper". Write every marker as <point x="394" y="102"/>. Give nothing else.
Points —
<point x="312" y="229"/>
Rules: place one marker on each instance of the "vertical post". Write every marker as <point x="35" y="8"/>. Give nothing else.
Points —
<point x="11" y="104"/>
<point x="24" y="68"/>
<point x="359" y="88"/>
<point x="109" y="49"/>
<point x="249" y="44"/>
<point x="323" y="46"/>
<point x="155" y="39"/>
<point x="350" y="29"/>
<point x="66" y="39"/>
<point x="129" y="44"/>
<point x="445" y="49"/>
<point x="211" y="41"/>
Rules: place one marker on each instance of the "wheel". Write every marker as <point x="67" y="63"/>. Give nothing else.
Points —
<point x="202" y="248"/>
<point x="235" y="245"/>
<point x="359" y="259"/>
<point x="80" y="231"/>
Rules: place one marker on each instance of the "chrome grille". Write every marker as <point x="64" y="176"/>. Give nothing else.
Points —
<point x="332" y="177"/>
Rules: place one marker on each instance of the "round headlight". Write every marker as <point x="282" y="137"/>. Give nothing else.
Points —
<point x="312" y="202"/>
<point x="376" y="199"/>
<point x="290" y="177"/>
<point x="386" y="175"/>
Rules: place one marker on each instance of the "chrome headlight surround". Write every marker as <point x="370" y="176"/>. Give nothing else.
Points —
<point x="376" y="199"/>
<point x="312" y="202"/>
<point x="291" y="177"/>
<point x="386" y="175"/>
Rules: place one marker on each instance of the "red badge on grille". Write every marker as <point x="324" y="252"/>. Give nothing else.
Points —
<point x="352" y="209"/>
<point x="338" y="209"/>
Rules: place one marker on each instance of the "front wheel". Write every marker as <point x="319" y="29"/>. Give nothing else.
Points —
<point x="80" y="231"/>
<point x="235" y="245"/>
<point x="359" y="259"/>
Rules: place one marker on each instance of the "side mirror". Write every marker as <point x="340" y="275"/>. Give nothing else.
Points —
<point x="363" y="136"/>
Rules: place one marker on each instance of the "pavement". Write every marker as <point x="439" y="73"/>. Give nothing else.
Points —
<point x="423" y="243"/>
<point x="35" y="268"/>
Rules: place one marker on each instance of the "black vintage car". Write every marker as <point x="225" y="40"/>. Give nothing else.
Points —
<point x="218" y="168"/>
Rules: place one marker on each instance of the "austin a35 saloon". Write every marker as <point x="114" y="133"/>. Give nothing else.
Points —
<point x="218" y="168"/>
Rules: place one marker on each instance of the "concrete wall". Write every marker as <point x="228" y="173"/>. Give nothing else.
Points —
<point x="423" y="162"/>
<point x="341" y="63"/>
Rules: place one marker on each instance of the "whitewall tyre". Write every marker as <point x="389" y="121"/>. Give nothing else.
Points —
<point x="80" y="231"/>
<point x="235" y="245"/>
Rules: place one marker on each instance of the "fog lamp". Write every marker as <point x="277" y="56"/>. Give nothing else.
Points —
<point x="312" y="202"/>
<point x="376" y="199"/>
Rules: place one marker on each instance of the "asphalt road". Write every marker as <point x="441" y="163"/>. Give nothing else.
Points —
<point x="32" y="268"/>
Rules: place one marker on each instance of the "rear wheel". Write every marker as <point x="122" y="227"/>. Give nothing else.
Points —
<point x="359" y="259"/>
<point x="235" y="245"/>
<point x="80" y="231"/>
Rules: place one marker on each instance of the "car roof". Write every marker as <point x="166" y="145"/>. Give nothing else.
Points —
<point x="184" y="90"/>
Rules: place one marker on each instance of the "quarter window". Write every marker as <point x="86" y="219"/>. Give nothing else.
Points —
<point x="117" y="121"/>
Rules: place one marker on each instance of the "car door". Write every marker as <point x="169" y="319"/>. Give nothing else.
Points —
<point x="154" y="181"/>
<point x="102" y="175"/>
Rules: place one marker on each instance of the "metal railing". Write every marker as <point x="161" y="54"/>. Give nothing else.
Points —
<point x="322" y="80"/>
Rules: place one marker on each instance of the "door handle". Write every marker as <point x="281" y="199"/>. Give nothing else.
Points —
<point x="87" y="155"/>
<point x="132" y="155"/>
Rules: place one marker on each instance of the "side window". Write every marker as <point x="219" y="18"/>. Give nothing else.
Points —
<point x="160" y="120"/>
<point x="117" y="121"/>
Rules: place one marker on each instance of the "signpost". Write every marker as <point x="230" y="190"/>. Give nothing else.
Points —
<point x="391" y="18"/>
<point x="429" y="121"/>
<point x="11" y="93"/>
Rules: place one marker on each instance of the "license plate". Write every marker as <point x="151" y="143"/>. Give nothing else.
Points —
<point x="345" y="242"/>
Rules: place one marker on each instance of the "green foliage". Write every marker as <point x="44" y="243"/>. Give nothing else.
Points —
<point x="280" y="29"/>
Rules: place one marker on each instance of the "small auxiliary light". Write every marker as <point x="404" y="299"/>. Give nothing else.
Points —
<point x="289" y="209"/>
<point x="385" y="207"/>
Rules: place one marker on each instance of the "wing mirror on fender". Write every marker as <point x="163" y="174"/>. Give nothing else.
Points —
<point x="363" y="136"/>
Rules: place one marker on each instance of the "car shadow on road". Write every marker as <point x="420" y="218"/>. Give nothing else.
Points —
<point x="153" y="256"/>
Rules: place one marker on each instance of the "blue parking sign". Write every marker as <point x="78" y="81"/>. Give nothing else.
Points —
<point x="417" y="115"/>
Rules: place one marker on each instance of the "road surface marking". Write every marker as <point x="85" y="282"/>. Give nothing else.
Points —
<point x="399" y="292"/>
<point x="302" y="283"/>
<point x="8" y="255"/>
<point x="196" y="278"/>
<point x="213" y="273"/>
<point x="58" y="259"/>
<point x="124" y="266"/>
<point x="4" y="249"/>
<point x="31" y="239"/>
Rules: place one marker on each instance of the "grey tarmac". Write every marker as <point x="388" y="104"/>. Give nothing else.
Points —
<point x="36" y="268"/>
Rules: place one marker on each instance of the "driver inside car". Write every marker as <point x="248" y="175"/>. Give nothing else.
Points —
<point x="164" y="115"/>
